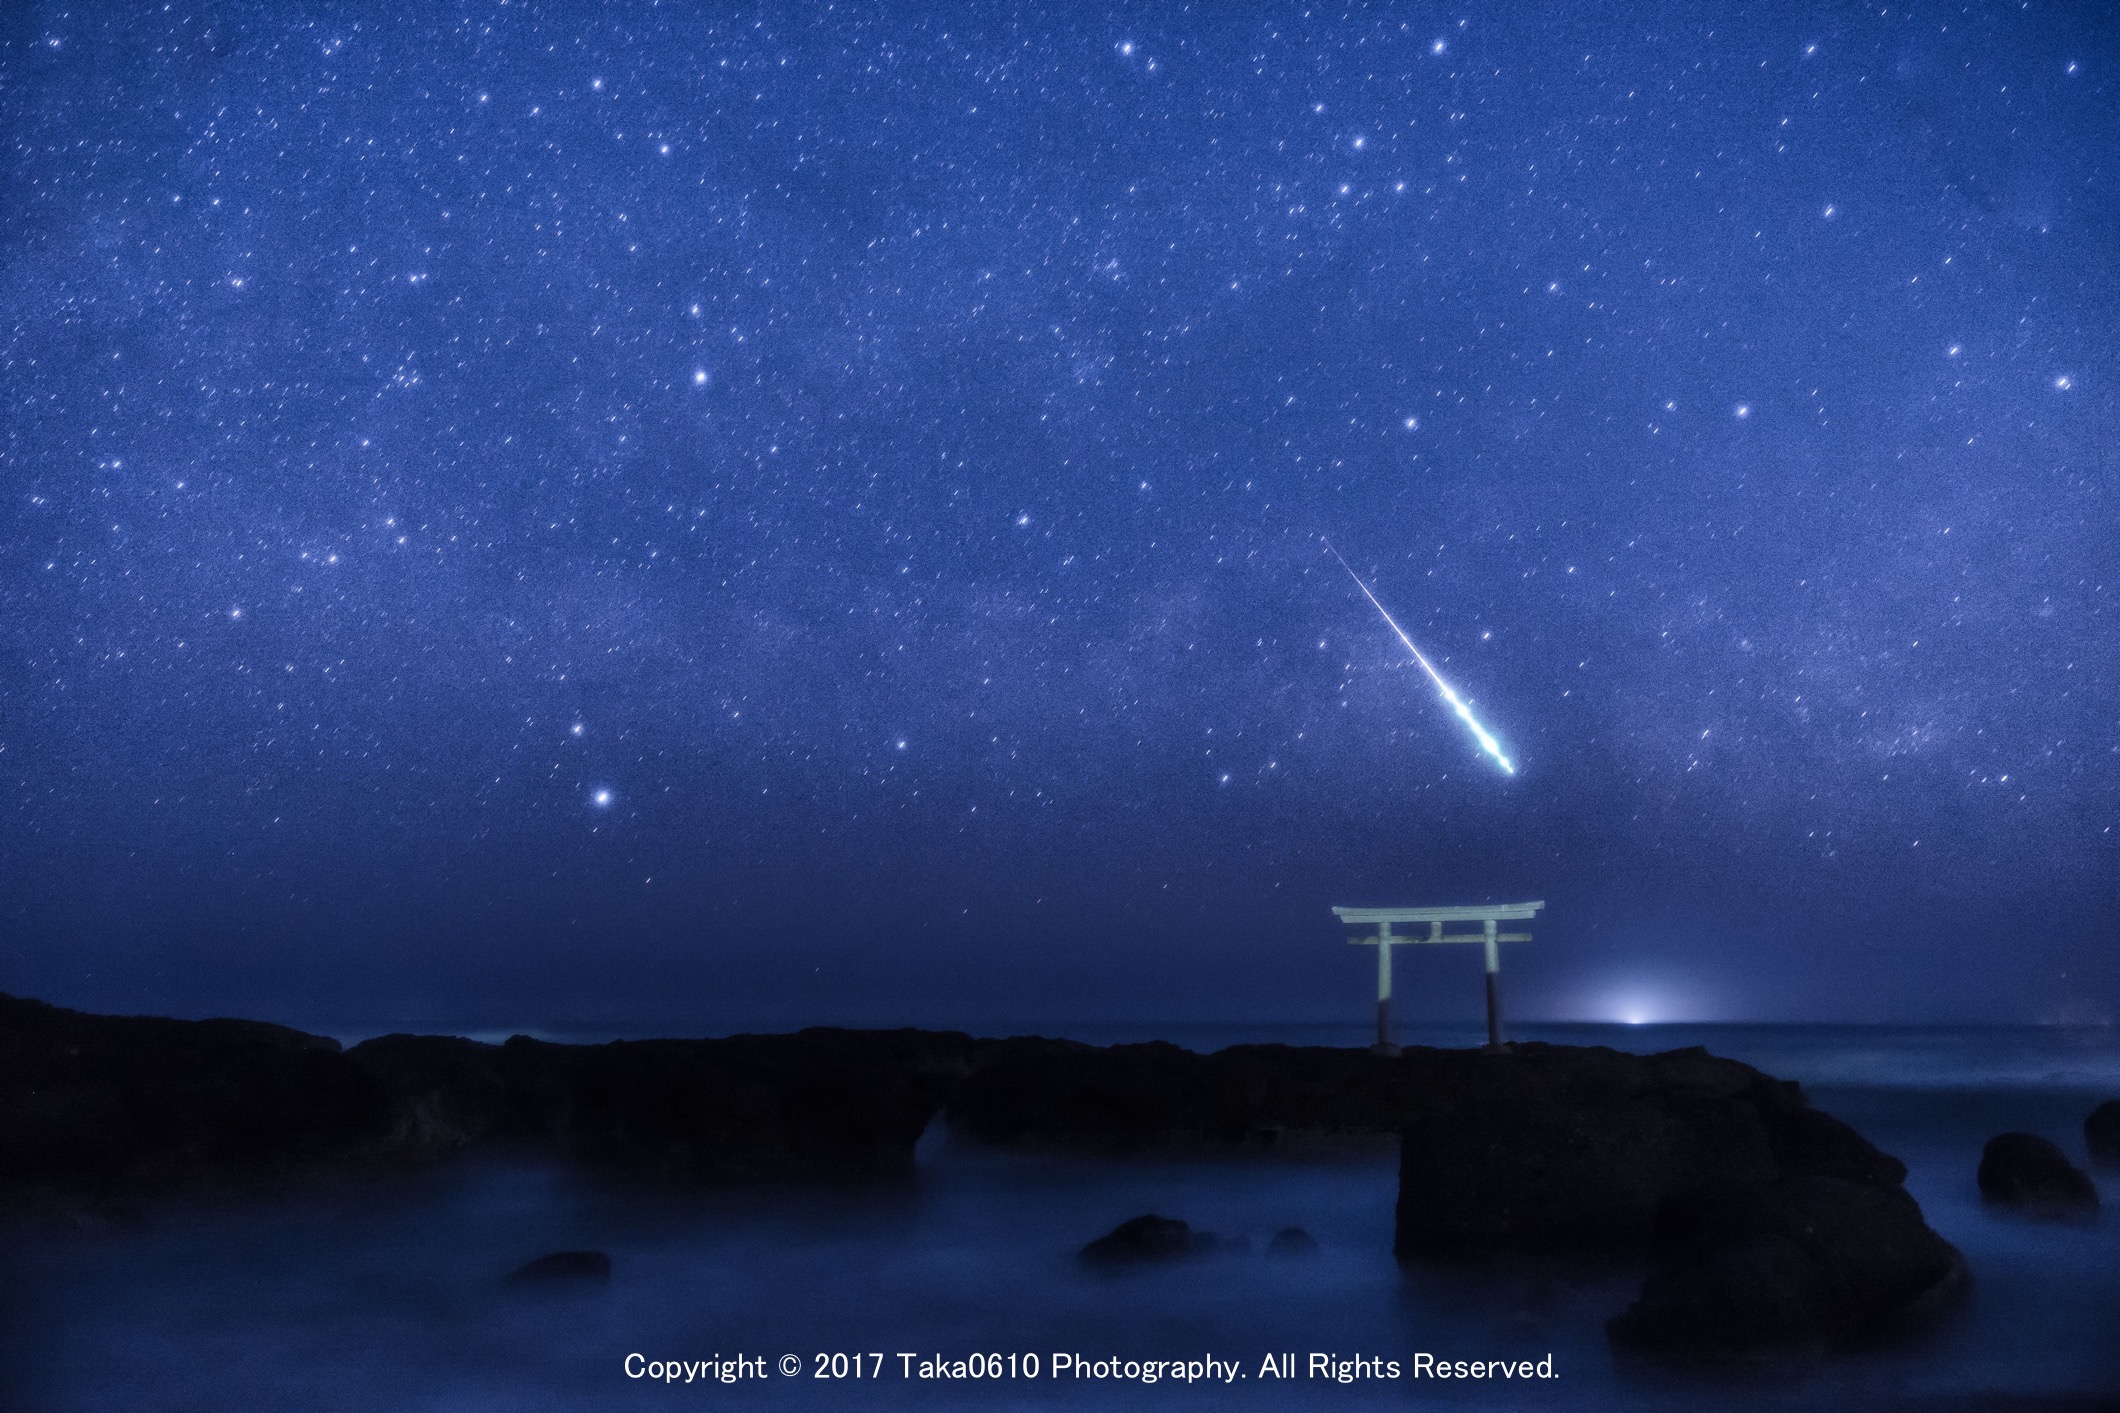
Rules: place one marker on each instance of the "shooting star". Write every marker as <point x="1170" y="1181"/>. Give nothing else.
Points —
<point x="1457" y="704"/>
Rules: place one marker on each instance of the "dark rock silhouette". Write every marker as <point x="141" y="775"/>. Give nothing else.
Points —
<point x="1794" y="1269"/>
<point x="2033" y="1175"/>
<point x="1056" y="1094"/>
<point x="578" y="1266"/>
<point x="2101" y="1134"/>
<point x="1778" y="1228"/>
<point x="1777" y="1225"/>
<point x="1292" y="1241"/>
<point x="1146" y="1240"/>
<point x="1549" y="1148"/>
<point x="97" y="1106"/>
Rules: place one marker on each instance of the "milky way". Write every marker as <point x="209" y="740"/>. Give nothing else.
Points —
<point x="555" y="510"/>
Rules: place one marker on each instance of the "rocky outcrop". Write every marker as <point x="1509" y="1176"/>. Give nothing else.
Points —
<point x="1550" y="1148"/>
<point x="2033" y="1175"/>
<point x="818" y="1103"/>
<point x="1148" y="1240"/>
<point x="1796" y="1268"/>
<point x="1776" y="1226"/>
<point x="97" y="1106"/>
<point x="1292" y="1242"/>
<point x="2101" y="1134"/>
<point x="1056" y="1094"/>
<point x="564" y="1267"/>
<point x="1776" y="1229"/>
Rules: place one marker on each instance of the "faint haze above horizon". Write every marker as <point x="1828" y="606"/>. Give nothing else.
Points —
<point x="593" y="517"/>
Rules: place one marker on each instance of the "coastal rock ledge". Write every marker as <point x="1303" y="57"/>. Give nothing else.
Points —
<point x="1773" y="1227"/>
<point x="1776" y="1230"/>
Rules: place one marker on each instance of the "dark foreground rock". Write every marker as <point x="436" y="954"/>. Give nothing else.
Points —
<point x="2101" y="1134"/>
<point x="2033" y="1175"/>
<point x="1146" y="1240"/>
<point x="1776" y="1225"/>
<point x="95" y="1108"/>
<point x="1777" y="1229"/>
<point x="1059" y="1095"/>
<point x="1556" y="1148"/>
<point x="1795" y="1269"/>
<point x="564" y="1266"/>
<point x="98" y="1106"/>
<point x="1292" y="1241"/>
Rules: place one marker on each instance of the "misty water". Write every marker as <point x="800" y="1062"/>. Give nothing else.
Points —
<point x="391" y="1294"/>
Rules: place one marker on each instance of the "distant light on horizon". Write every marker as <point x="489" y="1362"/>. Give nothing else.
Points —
<point x="1647" y="1000"/>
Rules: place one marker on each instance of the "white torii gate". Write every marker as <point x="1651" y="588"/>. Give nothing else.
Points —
<point x="1383" y="939"/>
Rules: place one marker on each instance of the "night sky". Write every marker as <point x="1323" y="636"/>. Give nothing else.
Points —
<point x="689" y="517"/>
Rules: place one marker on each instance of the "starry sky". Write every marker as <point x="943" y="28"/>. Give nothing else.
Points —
<point x="693" y="517"/>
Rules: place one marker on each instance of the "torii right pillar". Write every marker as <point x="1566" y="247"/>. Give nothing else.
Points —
<point x="1489" y="936"/>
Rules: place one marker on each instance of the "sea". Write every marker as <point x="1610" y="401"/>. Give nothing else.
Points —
<point x="959" y="1287"/>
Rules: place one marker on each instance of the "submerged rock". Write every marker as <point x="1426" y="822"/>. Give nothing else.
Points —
<point x="1148" y="1239"/>
<point x="1292" y="1241"/>
<point x="2101" y="1134"/>
<point x="2032" y="1174"/>
<point x="565" y="1266"/>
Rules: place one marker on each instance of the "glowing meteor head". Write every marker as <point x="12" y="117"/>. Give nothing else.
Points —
<point x="1457" y="704"/>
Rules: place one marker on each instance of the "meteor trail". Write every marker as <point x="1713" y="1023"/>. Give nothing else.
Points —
<point x="1487" y="742"/>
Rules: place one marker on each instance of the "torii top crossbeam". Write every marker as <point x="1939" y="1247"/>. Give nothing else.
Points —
<point x="1479" y="912"/>
<point x="1488" y="915"/>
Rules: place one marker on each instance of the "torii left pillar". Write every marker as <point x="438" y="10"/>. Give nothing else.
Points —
<point x="1494" y="1004"/>
<point x="1384" y="943"/>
